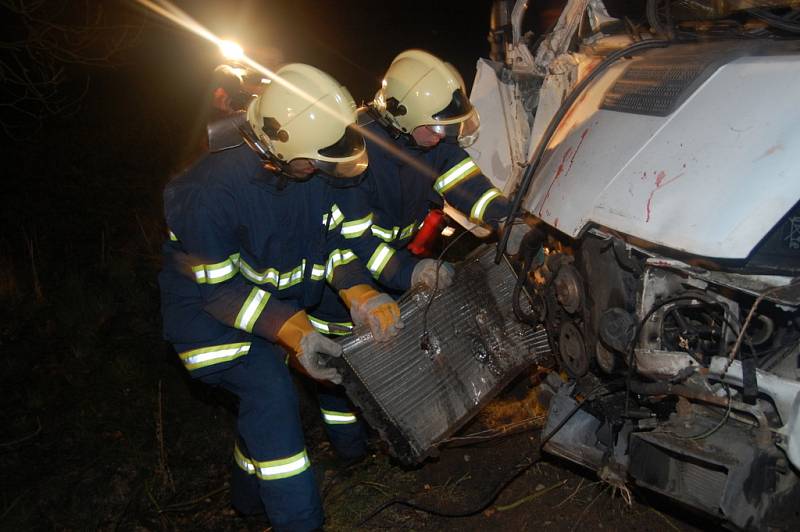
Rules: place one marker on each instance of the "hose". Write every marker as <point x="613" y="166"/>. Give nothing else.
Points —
<point x="528" y="249"/>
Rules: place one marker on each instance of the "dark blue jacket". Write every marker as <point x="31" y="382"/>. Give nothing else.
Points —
<point x="402" y="184"/>
<point x="245" y="250"/>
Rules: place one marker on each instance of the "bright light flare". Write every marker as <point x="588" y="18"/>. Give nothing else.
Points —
<point x="171" y="12"/>
<point x="231" y="50"/>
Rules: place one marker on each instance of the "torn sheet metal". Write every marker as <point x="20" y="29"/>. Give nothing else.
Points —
<point x="557" y="41"/>
<point x="419" y="388"/>
<point x="501" y="148"/>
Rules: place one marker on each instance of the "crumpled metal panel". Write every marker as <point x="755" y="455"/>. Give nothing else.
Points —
<point x="417" y="389"/>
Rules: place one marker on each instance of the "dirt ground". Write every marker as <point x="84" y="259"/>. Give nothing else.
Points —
<point x="106" y="432"/>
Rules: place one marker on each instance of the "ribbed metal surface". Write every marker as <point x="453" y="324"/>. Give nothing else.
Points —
<point x="703" y="483"/>
<point x="657" y="83"/>
<point x="419" y="388"/>
<point x="652" y="87"/>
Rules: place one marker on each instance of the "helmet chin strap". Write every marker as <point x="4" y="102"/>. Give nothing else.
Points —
<point x="281" y="168"/>
<point x="341" y="182"/>
<point x="395" y="132"/>
<point x="271" y="163"/>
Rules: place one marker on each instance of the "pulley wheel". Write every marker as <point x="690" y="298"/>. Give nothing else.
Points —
<point x="572" y="350"/>
<point x="569" y="291"/>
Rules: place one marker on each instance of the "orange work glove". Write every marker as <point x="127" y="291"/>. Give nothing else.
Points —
<point x="298" y="335"/>
<point x="372" y="308"/>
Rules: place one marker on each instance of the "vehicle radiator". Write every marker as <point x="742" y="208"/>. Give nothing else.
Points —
<point x="454" y="355"/>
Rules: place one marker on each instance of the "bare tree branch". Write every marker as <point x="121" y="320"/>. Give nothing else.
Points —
<point x="45" y="60"/>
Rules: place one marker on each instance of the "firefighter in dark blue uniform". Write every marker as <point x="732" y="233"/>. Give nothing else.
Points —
<point x="253" y="240"/>
<point x="416" y="129"/>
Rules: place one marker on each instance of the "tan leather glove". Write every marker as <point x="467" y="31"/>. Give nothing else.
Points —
<point x="375" y="309"/>
<point x="428" y="270"/>
<point x="298" y="335"/>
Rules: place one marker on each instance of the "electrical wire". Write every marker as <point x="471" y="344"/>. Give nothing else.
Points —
<point x="716" y="427"/>
<point x="425" y="337"/>
<point x="484" y="436"/>
<point x="519" y="468"/>
<point x="747" y="320"/>
<point x="631" y="351"/>
<point x="660" y="305"/>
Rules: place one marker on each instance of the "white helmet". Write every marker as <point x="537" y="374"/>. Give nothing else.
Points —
<point x="419" y="89"/>
<point x="305" y="113"/>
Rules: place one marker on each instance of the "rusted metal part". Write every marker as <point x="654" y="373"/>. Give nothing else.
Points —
<point x="664" y="388"/>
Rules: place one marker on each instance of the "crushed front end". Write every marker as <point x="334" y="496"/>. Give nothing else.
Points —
<point x="657" y="161"/>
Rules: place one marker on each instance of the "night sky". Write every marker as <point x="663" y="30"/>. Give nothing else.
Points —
<point x="353" y="40"/>
<point x="87" y="163"/>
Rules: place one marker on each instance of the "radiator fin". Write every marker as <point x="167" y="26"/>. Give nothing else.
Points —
<point x="448" y="361"/>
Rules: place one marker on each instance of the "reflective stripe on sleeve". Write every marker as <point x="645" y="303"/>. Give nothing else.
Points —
<point x="338" y="418"/>
<point x="461" y="171"/>
<point x="292" y="277"/>
<point x="172" y="236"/>
<point x="408" y="231"/>
<point x="356" y="228"/>
<point x="379" y="259"/>
<point x="338" y="257"/>
<point x="268" y="276"/>
<point x="275" y="278"/>
<point x="215" y="354"/>
<point x="216" y="273"/>
<point x="387" y="235"/>
<point x="244" y="463"/>
<point x="251" y="309"/>
<point x="317" y="272"/>
<point x="337" y="217"/>
<point x="286" y="467"/>
<point x="339" y="328"/>
<point x="479" y="208"/>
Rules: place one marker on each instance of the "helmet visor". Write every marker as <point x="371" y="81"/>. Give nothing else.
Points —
<point x="465" y="132"/>
<point x="346" y="158"/>
<point x="349" y="145"/>
<point x="350" y="168"/>
<point x="458" y="107"/>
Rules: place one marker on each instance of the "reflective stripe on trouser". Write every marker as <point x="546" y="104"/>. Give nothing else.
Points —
<point x="271" y="432"/>
<point x="332" y="417"/>
<point x="272" y="469"/>
<point x="245" y="496"/>
<point x="348" y="438"/>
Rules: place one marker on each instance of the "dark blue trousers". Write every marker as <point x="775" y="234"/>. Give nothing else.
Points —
<point x="273" y="465"/>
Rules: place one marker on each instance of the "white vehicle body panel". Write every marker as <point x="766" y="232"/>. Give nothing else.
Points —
<point x="711" y="179"/>
<point x="492" y="151"/>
